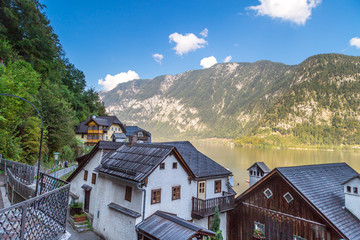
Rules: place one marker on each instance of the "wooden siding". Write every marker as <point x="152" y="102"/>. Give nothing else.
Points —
<point x="282" y="220"/>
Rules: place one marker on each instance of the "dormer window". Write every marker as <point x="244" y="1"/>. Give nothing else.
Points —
<point x="268" y="193"/>
<point x="348" y="189"/>
<point x="251" y="172"/>
<point x="355" y="190"/>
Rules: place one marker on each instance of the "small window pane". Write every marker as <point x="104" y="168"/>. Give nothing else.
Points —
<point x="355" y="190"/>
<point x="174" y="165"/>
<point x="288" y="197"/>
<point x="268" y="193"/>
<point x="162" y="166"/>
<point x="156" y="196"/>
<point x="175" y="193"/>
<point x="348" y="189"/>
<point x="128" y="193"/>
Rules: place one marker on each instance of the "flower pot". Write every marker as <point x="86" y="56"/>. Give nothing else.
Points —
<point x="80" y="219"/>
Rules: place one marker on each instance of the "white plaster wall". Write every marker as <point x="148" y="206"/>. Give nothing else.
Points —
<point x="112" y="224"/>
<point x="78" y="181"/>
<point x="210" y="187"/>
<point x="166" y="179"/>
<point x="204" y="223"/>
<point x="352" y="201"/>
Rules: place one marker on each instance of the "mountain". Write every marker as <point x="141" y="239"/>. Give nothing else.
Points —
<point x="250" y="101"/>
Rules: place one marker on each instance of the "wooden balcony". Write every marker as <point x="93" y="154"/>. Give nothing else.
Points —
<point x="203" y="208"/>
<point x="95" y="131"/>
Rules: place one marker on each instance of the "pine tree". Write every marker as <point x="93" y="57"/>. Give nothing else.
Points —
<point x="215" y="225"/>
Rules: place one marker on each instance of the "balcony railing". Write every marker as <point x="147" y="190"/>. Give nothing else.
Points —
<point x="203" y="208"/>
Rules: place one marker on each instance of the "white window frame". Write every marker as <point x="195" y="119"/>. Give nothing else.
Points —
<point x="266" y="195"/>
<point x="288" y="194"/>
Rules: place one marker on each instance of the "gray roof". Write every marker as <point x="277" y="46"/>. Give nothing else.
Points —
<point x="133" y="130"/>
<point x="134" y="162"/>
<point x="201" y="165"/>
<point x="262" y="166"/>
<point x="322" y="186"/>
<point x="124" y="210"/>
<point x="163" y="225"/>
<point x="119" y="135"/>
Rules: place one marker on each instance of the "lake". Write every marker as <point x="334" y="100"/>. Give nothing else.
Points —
<point x="238" y="159"/>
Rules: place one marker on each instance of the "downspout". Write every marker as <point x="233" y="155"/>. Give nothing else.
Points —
<point x="144" y="201"/>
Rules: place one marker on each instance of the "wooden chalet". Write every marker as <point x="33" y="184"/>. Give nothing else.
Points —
<point x="300" y="203"/>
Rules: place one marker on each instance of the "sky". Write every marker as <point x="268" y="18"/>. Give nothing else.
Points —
<point x="114" y="41"/>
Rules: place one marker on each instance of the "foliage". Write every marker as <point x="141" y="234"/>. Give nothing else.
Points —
<point x="35" y="67"/>
<point x="76" y="205"/>
<point x="259" y="234"/>
<point x="215" y="225"/>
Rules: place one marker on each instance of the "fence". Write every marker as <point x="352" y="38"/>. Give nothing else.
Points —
<point x="17" y="191"/>
<point x="41" y="217"/>
<point x="24" y="173"/>
<point x="64" y="171"/>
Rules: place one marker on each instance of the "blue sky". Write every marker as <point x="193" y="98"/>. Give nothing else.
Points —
<point x="116" y="40"/>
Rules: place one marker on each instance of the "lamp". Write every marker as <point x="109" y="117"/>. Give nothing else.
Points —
<point x="56" y="157"/>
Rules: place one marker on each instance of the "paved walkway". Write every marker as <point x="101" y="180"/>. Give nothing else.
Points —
<point x="88" y="235"/>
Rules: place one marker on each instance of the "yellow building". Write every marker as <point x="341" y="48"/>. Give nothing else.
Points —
<point x="97" y="128"/>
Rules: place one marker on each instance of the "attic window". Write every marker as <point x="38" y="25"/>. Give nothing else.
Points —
<point x="162" y="166"/>
<point x="348" y="189"/>
<point x="355" y="190"/>
<point x="251" y="172"/>
<point x="288" y="197"/>
<point x="268" y="193"/>
<point x="174" y="165"/>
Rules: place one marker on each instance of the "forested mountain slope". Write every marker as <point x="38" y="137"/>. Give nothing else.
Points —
<point x="33" y="66"/>
<point x="252" y="101"/>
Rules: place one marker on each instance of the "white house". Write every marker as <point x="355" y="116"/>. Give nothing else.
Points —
<point x="84" y="179"/>
<point x="138" y="181"/>
<point x="352" y="195"/>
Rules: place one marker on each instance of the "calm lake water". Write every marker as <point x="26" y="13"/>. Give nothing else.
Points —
<point x="238" y="159"/>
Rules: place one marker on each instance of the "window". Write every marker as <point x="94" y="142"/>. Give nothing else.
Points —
<point x="128" y="193"/>
<point x="82" y="135"/>
<point x="93" y="178"/>
<point x="288" y="197"/>
<point x="298" y="238"/>
<point x="155" y="196"/>
<point x="175" y="193"/>
<point x="140" y="134"/>
<point x="268" y="193"/>
<point x="355" y="190"/>
<point x="202" y="187"/>
<point x="217" y="186"/>
<point x="259" y="229"/>
<point x="85" y="175"/>
<point x="210" y="218"/>
<point x="162" y="166"/>
<point x="251" y="172"/>
<point x="174" y="165"/>
<point x="348" y="189"/>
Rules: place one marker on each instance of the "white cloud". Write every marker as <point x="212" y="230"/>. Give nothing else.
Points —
<point x="297" y="11"/>
<point x="204" y="32"/>
<point x="355" y="42"/>
<point x="228" y="59"/>
<point x="208" y="62"/>
<point x="186" y="43"/>
<point x="112" y="81"/>
<point x="158" y="57"/>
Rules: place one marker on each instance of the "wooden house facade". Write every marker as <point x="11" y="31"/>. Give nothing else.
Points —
<point x="288" y="204"/>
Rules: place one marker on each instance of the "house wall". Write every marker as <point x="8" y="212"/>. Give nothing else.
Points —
<point x="110" y="224"/>
<point x="78" y="181"/>
<point x="165" y="180"/>
<point x="210" y="187"/>
<point x="352" y="200"/>
<point x="276" y="214"/>
<point x="109" y="133"/>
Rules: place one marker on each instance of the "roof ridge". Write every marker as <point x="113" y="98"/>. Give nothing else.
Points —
<point x="314" y="165"/>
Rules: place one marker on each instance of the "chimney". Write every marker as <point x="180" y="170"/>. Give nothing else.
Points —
<point x="257" y="171"/>
<point x="352" y="195"/>
<point x="132" y="140"/>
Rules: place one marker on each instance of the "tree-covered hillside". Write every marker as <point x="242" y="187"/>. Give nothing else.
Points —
<point x="261" y="103"/>
<point x="34" y="66"/>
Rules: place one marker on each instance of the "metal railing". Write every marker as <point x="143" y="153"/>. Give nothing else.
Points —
<point x="41" y="217"/>
<point x="202" y="208"/>
<point x="24" y="173"/>
<point x="17" y="190"/>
